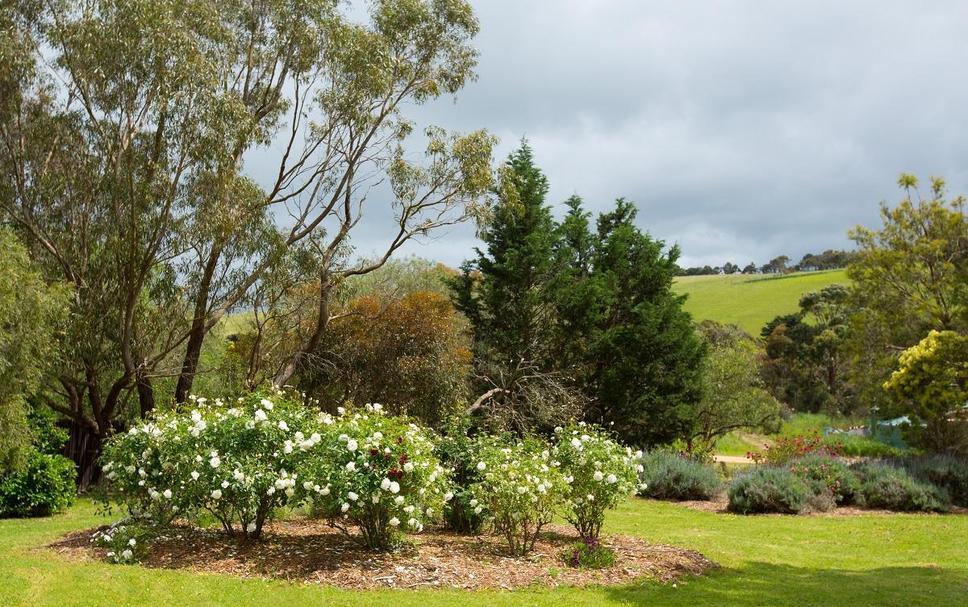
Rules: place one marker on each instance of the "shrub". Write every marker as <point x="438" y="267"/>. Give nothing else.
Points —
<point x="237" y="463"/>
<point x="379" y="474"/>
<point x="520" y="490"/>
<point x="599" y="473"/>
<point x="588" y="553"/>
<point x="785" y="449"/>
<point x="460" y="453"/>
<point x="947" y="472"/>
<point x="827" y="475"/>
<point x="884" y="486"/>
<point x="768" y="490"/>
<point x="668" y="476"/>
<point x="43" y="486"/>
<point x="859" y="446"/>
<point x="126" y="541"/>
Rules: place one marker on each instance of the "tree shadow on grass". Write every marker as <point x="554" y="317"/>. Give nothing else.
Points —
<point x="766" y="584"/>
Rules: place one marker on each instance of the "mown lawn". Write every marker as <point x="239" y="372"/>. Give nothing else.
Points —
<point x="903" y="560"/>
<point x="750" y="301"/>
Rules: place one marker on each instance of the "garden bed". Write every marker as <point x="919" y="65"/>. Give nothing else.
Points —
<point x="311" y="552"/>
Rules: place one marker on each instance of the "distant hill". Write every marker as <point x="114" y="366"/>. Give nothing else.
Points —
<point x="750" y="301"/>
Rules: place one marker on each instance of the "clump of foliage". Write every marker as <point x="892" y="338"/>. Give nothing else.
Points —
<point x="860" y="446"/>
<point x="31" y="312"/>
<point x="599" y="473"/>
<point x="932" y="382"/>
<point x="828" y="475"/>
<point x="379" y="474"/>
<point x="670" y="476"/>
<point x="411" y="351"/>
<point x="768" y="489"/>
<point x="236" y="463"/>
<point x="521" y="490"/>
<point x="588" y="553"/>
<point x="884" y="486"/>
<point x="459" y="452"/>
<point x="947" y="472"/>
<point x="784" y="449"/>
<point x="43" y="485"/>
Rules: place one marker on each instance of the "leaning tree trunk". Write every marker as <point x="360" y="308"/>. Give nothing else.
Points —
<point x="199" y="329"/>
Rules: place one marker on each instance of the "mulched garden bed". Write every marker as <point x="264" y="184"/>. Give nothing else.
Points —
<point x="309" y="551"/>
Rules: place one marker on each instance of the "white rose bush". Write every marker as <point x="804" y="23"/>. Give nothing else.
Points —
<point x="237" y="462"/>
<point x="520" y="490"/>
<point x="599" y="473"/>
<point x="375" y="477"/>
<point x="379" y="474"/>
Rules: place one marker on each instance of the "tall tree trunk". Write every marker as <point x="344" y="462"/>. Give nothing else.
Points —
<point x="84" y="448"/>
<point x="146" y="395"/>
<point x="196" y="336"/>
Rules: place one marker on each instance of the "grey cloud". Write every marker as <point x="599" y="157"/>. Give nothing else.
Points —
<point x="743" y="129"/>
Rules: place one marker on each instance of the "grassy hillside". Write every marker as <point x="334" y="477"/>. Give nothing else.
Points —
<point x="750" y="301"/>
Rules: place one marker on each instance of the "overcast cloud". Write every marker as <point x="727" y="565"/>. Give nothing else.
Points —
<point x="742" y="129"/>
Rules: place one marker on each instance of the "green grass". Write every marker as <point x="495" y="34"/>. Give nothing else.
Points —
<point x="903" y="560"/>
<point x="750" y="301"/>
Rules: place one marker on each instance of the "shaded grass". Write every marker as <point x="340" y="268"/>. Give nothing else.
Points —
<point x="750" y="301"/>
<point x="767" y="560"/>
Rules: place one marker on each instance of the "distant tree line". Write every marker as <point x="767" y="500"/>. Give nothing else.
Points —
<point x="830" y="259"/>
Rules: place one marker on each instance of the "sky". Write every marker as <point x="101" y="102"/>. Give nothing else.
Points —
<point x="742" y="129"/>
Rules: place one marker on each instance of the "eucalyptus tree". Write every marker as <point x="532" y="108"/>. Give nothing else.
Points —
<point x="131" y="131"/>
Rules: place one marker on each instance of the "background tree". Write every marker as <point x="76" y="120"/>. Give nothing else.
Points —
<point x="805" y="364"/>
<point x="122" y="136"/>
<point x="31" y="315"/>
<point x="504" y="294"/>
<point x="733" y="395"/>
<point x="777" y="265"/>
<point x="910" y="276"/>
<point x="640" y="359"/>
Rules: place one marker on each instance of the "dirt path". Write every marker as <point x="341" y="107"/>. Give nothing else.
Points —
<point x="732" y="459"/>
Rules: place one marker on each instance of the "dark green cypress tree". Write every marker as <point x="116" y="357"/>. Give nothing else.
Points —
<point x="503" y="292"/>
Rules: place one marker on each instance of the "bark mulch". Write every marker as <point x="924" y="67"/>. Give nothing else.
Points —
<point x="309" y="551"/>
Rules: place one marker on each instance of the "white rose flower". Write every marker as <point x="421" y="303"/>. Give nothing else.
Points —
<point x="598" y="476"/>
<point x="478" y="510"/>
<point x="522" y="490"/>
<point x="265" y="402"/>
<point x="351" y="466"/>
<point x="307" y="485"/>
<point x="290" y="492"/>
<point x="352" y="496"/>
<point x="576" y="443"/>
<point x="408" y="467"/>
<point x="217" y="494"/>
<point x="611" y="479"/>
<point x="271" y="491"/>
<point x="344" y="507"/>
<point x="394" y="522"/>
<point x="413" y="523"/>
<point x="590" y="497"/>
<point x="127" y="554"/>
<point x="283" y="425"/>
<point x="214" y="462"/>
<point x="385" y="484"/>
<point x="448" y="496"/>
<point x="250" y="527"/>
<point x="260" y="415"/>
<point x="474" y="502"/>
<point x="132" y="542"/>
<point x="325" y="490"/>
<point x="167" y="494"/>
<point x="398" y="500"/>
<point x="481" y="466"/>
<point x="351" y="445"/>
<point x="394" y="487"/>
